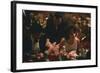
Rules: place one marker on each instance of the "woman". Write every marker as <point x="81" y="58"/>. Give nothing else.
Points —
<point x="70" y="45"/>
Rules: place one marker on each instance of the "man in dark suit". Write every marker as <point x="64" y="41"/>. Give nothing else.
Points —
<point x="56" y="28"/>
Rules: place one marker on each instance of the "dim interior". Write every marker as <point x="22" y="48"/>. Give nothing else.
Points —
<point x="56" y="36"/>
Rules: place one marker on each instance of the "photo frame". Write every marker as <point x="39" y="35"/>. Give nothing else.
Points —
<point x="42" y="33"/>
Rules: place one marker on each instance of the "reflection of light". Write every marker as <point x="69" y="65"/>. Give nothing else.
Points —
<point x="46" y="18"/>
<point x="76" y="38"/>
<point x="83" y="38"/>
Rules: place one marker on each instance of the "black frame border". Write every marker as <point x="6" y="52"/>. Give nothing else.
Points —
<point x="13" y="35"/>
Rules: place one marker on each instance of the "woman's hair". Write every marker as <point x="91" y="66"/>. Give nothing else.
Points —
<point x="70" y="31"/>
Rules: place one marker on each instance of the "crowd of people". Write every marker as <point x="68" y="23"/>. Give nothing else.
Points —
<point x="56" y="36"/>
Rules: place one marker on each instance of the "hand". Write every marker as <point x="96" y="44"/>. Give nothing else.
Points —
<point x="72" y="55"/>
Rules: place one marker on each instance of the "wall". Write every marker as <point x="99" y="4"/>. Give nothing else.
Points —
<point x="5" y="36"/>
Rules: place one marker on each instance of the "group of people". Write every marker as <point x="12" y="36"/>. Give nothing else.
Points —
<point x="57" y="38"/>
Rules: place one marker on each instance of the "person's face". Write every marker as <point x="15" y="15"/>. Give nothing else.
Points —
<point x="41" y="20"/>
<point x="84" y="23"/>
<point x="71" y="35"/>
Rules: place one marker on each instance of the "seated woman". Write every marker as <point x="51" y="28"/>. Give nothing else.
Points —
<point x="69" y="49"/>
